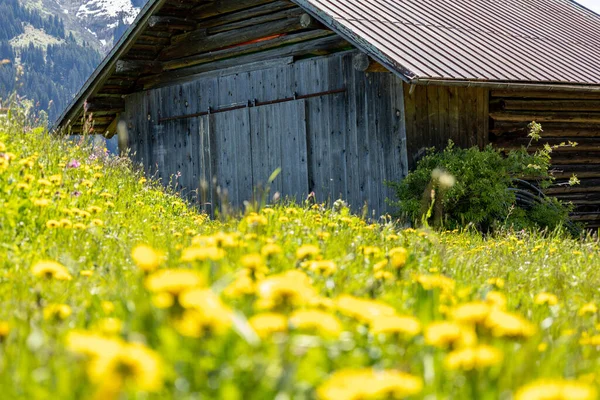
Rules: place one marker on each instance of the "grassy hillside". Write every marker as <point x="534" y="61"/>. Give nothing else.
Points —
<point x="112" y="288"/>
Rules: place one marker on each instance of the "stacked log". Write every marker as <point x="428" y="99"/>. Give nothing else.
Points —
<point x="566" y="118"/>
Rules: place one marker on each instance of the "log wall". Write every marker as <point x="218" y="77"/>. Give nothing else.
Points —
<point x="564" y="117"/>
<point x="332" y="129"/>
<point x="436" y="114"/>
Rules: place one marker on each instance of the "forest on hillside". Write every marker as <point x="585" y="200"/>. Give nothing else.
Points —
<point x="48" y="76"/>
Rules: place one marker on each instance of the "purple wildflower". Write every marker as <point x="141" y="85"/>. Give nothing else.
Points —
<point x="73" y="164"/>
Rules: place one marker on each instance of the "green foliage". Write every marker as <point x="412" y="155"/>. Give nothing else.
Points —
<point x="457" y="187"/>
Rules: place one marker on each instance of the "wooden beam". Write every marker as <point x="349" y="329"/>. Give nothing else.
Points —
<point x="286" y="13"/>
<point x="198" y="41"/>
<point x="171" y="23"/>
<point x="111" y="130"/>
<point x="216" y="7"/>
<point x="227" y="19"/>
<point x="551" y="105"/>
<point x="104" y="104"/>
<point x="246" y="49"/>
<point x="363" y="63"/>
<point x="321" y="46"/>
<point x="139" y="67"/>
<point x="549" y="94"/>
<point x="545" y="116"/>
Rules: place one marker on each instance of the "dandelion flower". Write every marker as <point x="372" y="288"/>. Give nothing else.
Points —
<point x="323" y="267"/>
<point x="307" y="251"/>
<point x="471" y="313"/>
<point x="350" y="384"/>
<point x="470" y="358"/>
<point x="589" y="308"/>
<point x="445" y="334"/>
<point x="395" y="324"/>
<point x="50" y="269"/>
<point x="57" y="312"/>
<point x="131" y="364"/>
<point x="266" y="324"/>
<point x="196" y="253"/>
<point x="556" y="389"/>
<point x="502" y="323"/>
<point x="173" y="281"/>
<point x="362" y="309"/>
<point x="546" y="298"/>
<point x="289" y="289"/>
<point x="146" y="258"/>
<point x="398" y="257"/>
<point x="316" y="320"/>
<point x="269" y="250"/>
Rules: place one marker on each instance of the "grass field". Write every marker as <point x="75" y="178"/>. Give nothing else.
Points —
<point x="112" y="288"/>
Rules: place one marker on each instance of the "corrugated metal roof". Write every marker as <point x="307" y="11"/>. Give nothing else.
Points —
<point x="493" y="40"/>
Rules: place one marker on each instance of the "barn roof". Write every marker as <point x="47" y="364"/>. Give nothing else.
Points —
<point x="531" y="43"/>
<point x="491" y="40"/>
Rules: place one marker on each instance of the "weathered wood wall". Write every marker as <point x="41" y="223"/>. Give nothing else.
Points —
<point x="436" y="114"/>
<point x="332" y="129"/>
<point x="564" y="117"/>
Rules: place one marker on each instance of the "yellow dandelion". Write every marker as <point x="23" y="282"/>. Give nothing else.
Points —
<point x="173" y="281"/>
<point x="270" y="250"/>
<point x="395" y="324"/>
<point x="146" y="258"/>
<point x="50" y="269"/>
<point x="325" y="268"/>
<point x="318" y="321"/>
<point x="307" y="251"/>
<point x="502" y="323"/>
<point x="5" y="329"/>
<point x="52" y="224"/>
<point x="588" y="309"/>
<point x="363" y="310"/>
<point x="496" y="300"/>
<point x="196" y="253"/>
<point x="471" y="313"/>
<point x="57" y="312"/>
<point x="398" y="257"/>
<point x="350" y="384"/>
<point x="470" y="358"/>
<point x="266" y="324"/>
<point x="545" y="299"/>
<point x="289" y="289"/>
<point x="86" y="273"/>
<point x="445" y="334"/>
<point x="556" y="389"/>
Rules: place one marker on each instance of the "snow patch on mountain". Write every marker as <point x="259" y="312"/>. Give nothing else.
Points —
<point x="108" y="9"/>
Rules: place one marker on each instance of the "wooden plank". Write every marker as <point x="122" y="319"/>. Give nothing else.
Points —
<point x="545" y="116"/>
<point x="456" y="97"/>
<point x="483" y="123"/>
<point x="544" y="94"/>
<point x="253" y="21"/>
<point x="216" y="7"/>
<point x="314" y="47"/>
<point x="473" y="117"/>
<point x="246" y="14"/>
<point x="199" y="41"/>
<point x="436" y="114"/>
<point x="336" y="104"/>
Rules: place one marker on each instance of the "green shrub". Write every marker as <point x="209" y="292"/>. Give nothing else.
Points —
<point x="457" y="187"/>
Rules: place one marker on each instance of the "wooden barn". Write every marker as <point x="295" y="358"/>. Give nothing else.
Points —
<point x="343" y="95"/>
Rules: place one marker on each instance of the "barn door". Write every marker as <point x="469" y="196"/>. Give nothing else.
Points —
<point x="231" y="156"/>
<point x="279" y="141"/>
<point x="246" y="146"/>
